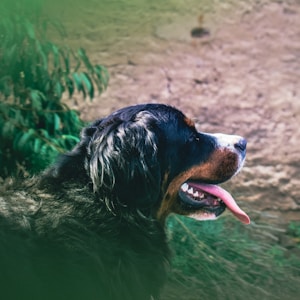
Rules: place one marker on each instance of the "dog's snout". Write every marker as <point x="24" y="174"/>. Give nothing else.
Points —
<point x="241" y="144"/>
<point x="234" y="143"/>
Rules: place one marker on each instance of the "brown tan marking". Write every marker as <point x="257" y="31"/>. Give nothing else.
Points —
<point x="189" y="122"/>
<point x="165" y="183"/>
<point x="221" y="165"/>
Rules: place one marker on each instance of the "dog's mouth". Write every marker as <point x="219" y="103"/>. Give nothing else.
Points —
<point x="208" y="201"/>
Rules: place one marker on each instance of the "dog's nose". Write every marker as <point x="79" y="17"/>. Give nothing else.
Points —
<point x="235" y="143"/>
<point x="241" y="144"/>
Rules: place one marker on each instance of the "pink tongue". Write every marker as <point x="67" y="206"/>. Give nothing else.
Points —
<point x="226" y="198"/>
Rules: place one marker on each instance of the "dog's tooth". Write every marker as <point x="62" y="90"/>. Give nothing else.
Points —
<point x="185" y="187"/>
<point x="191" y="191"/>
<point x="201" y="196"/>
<point x="196" y="194"/>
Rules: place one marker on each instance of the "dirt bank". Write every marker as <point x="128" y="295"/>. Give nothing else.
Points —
<point x="243" y="78"/>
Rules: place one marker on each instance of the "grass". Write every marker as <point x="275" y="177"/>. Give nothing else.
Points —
<point x="227" y="260"/>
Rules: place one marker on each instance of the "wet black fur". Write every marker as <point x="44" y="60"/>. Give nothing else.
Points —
<point x="86" y="228"/>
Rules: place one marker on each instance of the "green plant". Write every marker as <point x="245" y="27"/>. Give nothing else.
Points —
<point x="35" y="75"/>
<point x="294" y="229"/>
<point x="227" y="260"/>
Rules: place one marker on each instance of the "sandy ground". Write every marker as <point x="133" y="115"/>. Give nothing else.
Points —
<point x="243" y="78"/>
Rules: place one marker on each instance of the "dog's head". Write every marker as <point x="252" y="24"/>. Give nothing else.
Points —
<point x="151" y="158"/>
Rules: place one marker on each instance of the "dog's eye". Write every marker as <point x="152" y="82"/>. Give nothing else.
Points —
<point x="194" y="138"/>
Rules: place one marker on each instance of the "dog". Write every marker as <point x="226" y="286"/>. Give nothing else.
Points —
<point x="92" y="226"/>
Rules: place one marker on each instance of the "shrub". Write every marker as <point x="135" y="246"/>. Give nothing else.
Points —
<point x="35" y="73"/>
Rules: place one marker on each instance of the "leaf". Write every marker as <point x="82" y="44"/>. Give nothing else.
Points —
<point x="88" y="83"/>
<point x="30" y="29"/>
<point x="4" y="110"/>
<point x="58" y="89"/>
<point x="71" y="137"/>
<point x="57" y="122"/>
<point x="36" y="98"/>
<point x="47" y="86"/>
<point x="37" y="145"/>
<point x="5" y="86"/>
<point x="70" y="85"/>
<point x="8" y="129"/>
<point x="44" y="149"/>
<point x="84" y="58"/>
<point x="16" y="140"/>
<point x="10" y="54"/>
<point x="78" y="83"/>
<point x="19" y="117"/>
<point x="66" y="58"/>
<point x="25" y="138"/>
<point x="49" y="122"/>
<point x="102" y="76"/>
<point x="42" y="54"/>
<point x="45" y="133"/>
<point x="55" y="51"/>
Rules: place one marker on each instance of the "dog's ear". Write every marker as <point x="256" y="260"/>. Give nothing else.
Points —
<point x="123" y="160"/>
